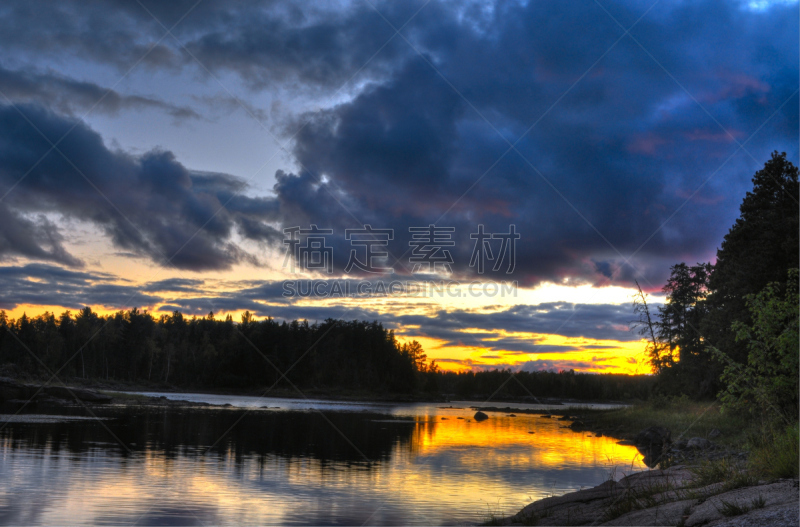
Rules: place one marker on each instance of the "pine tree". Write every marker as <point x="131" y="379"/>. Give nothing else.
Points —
<point x="758" y="250"/>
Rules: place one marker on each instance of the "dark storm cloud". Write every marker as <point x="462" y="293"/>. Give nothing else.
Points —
<point x="41" y="284"/>
<point x="68" y="95"/>
<point x="101" y="32"/>
<point x="174" y="285"/>
<point x="595" y="321"/>
<point x="266" y="43"/>
<point x="37" y="239"/>
<point x="149" y="205"/>
<point x="614" y="159"/>
<point x="618" y="145"/>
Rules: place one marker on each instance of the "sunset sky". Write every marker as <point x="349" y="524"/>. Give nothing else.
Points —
<point x="152" y="154"/>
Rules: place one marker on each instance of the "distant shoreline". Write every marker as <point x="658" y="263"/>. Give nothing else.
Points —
<point x="333" y="394"/>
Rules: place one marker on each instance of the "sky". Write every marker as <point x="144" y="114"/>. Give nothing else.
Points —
<point x="175" y="156"/>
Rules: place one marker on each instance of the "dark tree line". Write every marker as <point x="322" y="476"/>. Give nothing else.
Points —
<point x="133" y="346"/>
<point x="203" y="352"/>
<point x="499" y="384"/>
<point x="707" y="327"/>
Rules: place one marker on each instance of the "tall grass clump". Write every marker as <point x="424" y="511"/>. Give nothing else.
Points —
<point x="776" y="454"/>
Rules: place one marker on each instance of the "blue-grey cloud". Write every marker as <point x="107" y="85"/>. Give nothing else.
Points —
<point x="611" y="162"/>
<point x="422" y="133"/>
<point x="597" y="321"/>
<point x="149" y="205"/>
<point x="68" y="95"/>
<point x="43" y="284"/>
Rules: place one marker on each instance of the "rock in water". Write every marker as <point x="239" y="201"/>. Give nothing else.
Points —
<point x="698" y="443"/>
<point x="652" y="443"/>
<point x="480" y="416"/>
<point x="653" y="436"/>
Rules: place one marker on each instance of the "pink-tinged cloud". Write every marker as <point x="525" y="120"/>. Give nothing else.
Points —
<point x="699" y="198"/>
<point x="717" y="136"/>
<point x="649" y="144"/>
<point x="736" y="85"/>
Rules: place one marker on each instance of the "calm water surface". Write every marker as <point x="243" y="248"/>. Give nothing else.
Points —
<point x="296" y="462"/>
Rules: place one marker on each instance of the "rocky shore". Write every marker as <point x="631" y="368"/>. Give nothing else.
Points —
<point x="17" y="395"/>
<point x="699" y="482"/>
<point x="668" y="497"/>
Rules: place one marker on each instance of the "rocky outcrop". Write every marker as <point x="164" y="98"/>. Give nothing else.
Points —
<point x="593" y="506"/>
<point x="667" y="497"/>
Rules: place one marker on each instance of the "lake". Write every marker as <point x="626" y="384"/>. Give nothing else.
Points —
<point x="296" y="462"/>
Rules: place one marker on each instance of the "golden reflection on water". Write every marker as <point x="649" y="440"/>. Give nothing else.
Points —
<point x="537" y="441"/>
<point x="450" y="470"/>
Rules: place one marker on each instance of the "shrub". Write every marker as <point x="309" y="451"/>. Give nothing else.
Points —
<point x="768" y="383"/>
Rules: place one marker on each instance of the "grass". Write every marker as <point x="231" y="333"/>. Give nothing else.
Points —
<point x="530" y="519"/>
<point x="759" y="502"/>
<point x="776" y="454"/>
<point x="493" y="517"/>
<point x="643" y="497"/>
<point x="493" y="520"/>
<point x="728" y="508"/>
<point x="684" y="417"/>
<point x="729" y="472"/>
<point x="774" y="449"/>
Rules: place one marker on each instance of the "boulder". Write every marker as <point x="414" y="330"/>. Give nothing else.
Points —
<point x="698" y="443"/>
<point x="679" y="445"/>
<point x="653" y="436"/>
<point x="480" y="416"/>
